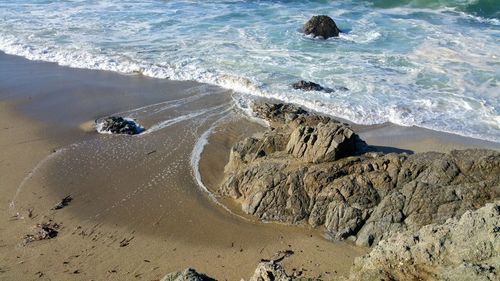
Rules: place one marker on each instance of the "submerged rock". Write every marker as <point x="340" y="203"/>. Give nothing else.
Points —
<point x="311" y="169"/>
<point x="118" y="125"/>
<point x="323" y="26"/>
<point x="467" y="248"/>
<point x="311" y="86"/>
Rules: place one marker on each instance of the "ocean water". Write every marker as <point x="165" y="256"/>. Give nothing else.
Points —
<point x="434" y="64"/>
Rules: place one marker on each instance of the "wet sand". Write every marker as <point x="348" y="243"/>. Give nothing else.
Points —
<point x="393" y="138"/>
<point x="138" y="211"/>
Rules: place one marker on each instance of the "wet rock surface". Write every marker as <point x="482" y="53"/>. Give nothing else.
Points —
<point x="308" y="86"/>
<point x="118" y="125"/>
<point x="323" y="26"/>
<point x="312" y="169"/>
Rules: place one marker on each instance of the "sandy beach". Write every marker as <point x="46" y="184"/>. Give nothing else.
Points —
<point x="140" y="189"/>
<point x="249" y="140"/>
<point x="138" y="210"/>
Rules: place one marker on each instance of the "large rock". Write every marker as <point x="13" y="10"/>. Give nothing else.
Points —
<point x="460" y="249"/>
<point x="320" y="143"/>
<point x="323" y="26"/>
<point x="309" y="138"/>
<point x="310" y="169"/>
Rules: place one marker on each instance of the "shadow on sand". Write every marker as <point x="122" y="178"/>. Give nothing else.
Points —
<point x="389" y="149"/>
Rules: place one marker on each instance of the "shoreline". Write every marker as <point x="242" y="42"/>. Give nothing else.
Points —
<point x="138" y="190"/>
<point x="166" y="218"/>
<point x="464" y="139"/>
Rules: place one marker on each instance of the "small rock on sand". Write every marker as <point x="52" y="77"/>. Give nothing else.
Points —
<point x="43" y="231"/>
<point x="118" y="125"/>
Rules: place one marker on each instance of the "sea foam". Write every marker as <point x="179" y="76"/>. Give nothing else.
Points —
<point x="409" y="65"/>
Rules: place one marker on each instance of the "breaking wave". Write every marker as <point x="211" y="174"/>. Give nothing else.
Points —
<point x="432" y="64"/>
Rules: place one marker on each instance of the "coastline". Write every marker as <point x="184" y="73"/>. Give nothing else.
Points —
<point x="167" y="220"/>
<point x="171" y="223"/>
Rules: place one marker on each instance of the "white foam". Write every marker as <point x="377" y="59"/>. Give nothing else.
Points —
<point x="262" y="59"/>
<point x="363" y="38"/>
<point x="170" y="122"/>
<point x="195" y="159"/>
<point x="38" y="166"/>
<point x="99" y="126"/>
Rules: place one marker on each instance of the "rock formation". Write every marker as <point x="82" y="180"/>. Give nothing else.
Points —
<point x="428" y="216"/>
<point x="118" y="125"/>
<point x="315" y="170"/>
<point x="460" y="249"/>
<point x="322" y="26"/>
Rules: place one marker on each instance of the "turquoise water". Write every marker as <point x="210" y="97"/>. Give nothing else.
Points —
<point x="435" y="64"/>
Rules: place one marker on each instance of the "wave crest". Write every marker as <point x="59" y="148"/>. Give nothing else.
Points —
<point x="481" y="8"/>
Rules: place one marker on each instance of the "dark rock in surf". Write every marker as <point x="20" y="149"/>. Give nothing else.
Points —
<point x="311" y="86"/>
<point x="321" y="26"/>
<point x="118" y="125"/>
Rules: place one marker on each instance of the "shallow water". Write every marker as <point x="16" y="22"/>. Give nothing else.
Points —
<point x="434" y="64"/>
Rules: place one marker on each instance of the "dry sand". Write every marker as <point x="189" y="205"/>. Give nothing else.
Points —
<point x="137" y="210"/>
